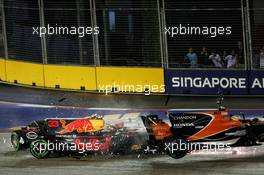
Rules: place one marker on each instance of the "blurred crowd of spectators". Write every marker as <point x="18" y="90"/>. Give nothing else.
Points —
<point x="226" y="59"/>
<point x="258" y="58"/>
<point x="211" y="59"/>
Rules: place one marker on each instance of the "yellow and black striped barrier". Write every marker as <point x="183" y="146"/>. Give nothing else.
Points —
<point x="81" y="78"/>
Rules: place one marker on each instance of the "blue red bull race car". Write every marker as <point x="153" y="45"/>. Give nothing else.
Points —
<point x="73" y="136"/>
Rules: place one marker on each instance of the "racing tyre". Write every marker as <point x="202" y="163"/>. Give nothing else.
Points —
<point x="176" y="148"/>
<point x="39" y="149"/>
<point x="17" y="140"/>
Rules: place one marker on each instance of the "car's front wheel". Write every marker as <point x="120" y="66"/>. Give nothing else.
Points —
<point x="17" y="140"/>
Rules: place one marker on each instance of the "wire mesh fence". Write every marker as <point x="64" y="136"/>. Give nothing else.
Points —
<point x="134" y="32"/>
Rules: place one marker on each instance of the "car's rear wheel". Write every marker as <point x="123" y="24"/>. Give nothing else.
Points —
<point x="39" y="149"/>
<point x="16" y="140"/>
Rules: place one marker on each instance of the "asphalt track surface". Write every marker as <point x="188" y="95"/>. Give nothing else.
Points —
<point x="11" y="93"/>
<point x="248" y="161"/>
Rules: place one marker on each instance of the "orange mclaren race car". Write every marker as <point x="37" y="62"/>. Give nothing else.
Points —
<point x="192" y="130"/>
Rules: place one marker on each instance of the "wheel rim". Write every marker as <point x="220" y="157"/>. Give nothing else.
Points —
<point x="39" y="148"/>
<point x="15" y="142"/>
<point x="176" y="153"/>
